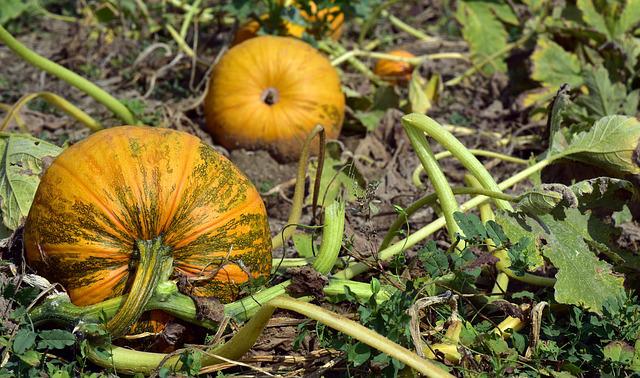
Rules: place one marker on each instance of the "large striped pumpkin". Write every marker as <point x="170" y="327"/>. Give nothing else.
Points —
<point x="133" y="183"/>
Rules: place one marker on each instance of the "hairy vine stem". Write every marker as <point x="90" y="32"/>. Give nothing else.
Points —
<point x="68" y="76"/>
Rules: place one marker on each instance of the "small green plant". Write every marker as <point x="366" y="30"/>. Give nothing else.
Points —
<point x="388" y="318"/>
<point x="27" y="350"/>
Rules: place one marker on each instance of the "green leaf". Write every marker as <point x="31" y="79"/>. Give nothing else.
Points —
<point x="631" y="103"/>
<point x="385" y="98"/>
<point x="631" y="50"/>
<point x="31" y="358"/>
<point x="623" y="216"/>
<point x="604" y="192"/>
<point x="554" y="66"/>
<point x="55" y="339"/>
<point x="369" y="119"/>
<point x="610" y="144"/>
<point x="496" y="233"/>
<point x="25" y="339"/>
<point x="558" y="112"/>
<point x="484" y="33"/>
<point x="564" y="237"/>
<point x="60" y="374"/>
<point x="303" y="244"/>
<point x="604" y="98"/>
<point x="417" y="96"/>
<point x="359" y="353"/>
<point x="635" y="362"/>
<point x="11" y="9"/>
<point x="539" y="200"/>
<point x="520" y="256"/>
<point x="534" y="5"/>
<point x="528" y="253"/>
<point x="434" y="260"/>
<point x="618" y="351"/>
<point x="470" y="225"/>
<point x="20" y="169"/>
<point x="505" y="13"/>
<point x="592" y="17"/>
<point x="629" y="18"/>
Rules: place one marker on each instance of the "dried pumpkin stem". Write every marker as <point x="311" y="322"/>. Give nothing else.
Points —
<point x="298" y="193"/>
<point x="69" y="76"/>
<point x="154" y="266"/>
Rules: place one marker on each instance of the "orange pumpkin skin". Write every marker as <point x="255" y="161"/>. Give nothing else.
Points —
<point x="137" y="183"/>
<point x="331" y="16"/>
<point x="395" y="71"/>
<point x="269" y="93"/>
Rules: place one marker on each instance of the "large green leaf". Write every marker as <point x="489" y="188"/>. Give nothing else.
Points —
<point x="515" y="232"/>
<point x="593" y="17"/>
<point x="554" y="66"/>
<point x="607" y="17"/>
<point x="612" y="143"/>
<point x="505" y="12"/>
<point x="604" y="193"/>
<point x="604" y="98"/>
<point x="564" y="237"/>
<point x="629" y="18"/>
<point x="20" y="168"/>
<point x="484" y="33"/>
<point x="10" y="9"/>
<point x="56" y="339"/>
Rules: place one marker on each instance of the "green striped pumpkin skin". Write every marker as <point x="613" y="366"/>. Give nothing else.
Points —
<point x="133" y="183"/>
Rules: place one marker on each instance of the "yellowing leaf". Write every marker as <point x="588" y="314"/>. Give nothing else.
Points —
<point x="554" y="66"/>
<point x="21" y="164"/>
<point x="610" y="144"/>
<point x="417" y="96"/>
<point x="484" y="33"/>
<point x="592" y="17"/>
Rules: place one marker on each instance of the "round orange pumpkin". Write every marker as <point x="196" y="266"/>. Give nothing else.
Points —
<point x="123" y="185"/>
<point x="395" y="71"/>
<point x="326" y="21"/>
<point x="269" y="93"/>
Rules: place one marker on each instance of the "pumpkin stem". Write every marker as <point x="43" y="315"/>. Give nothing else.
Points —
<point x="154" y="266"/>
<point x="270" y="96"/>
